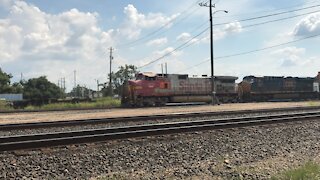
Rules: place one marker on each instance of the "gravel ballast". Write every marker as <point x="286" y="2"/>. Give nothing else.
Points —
<point x="249" y="153"/>
<point x="133" y="123"/>
<point x="27" y="117"/>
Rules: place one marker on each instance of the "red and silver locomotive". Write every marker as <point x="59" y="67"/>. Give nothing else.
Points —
<point x="150" y="89"/>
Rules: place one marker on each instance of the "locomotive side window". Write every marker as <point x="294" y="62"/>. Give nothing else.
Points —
<point x="164" y="85"/>
<point x="139" y="77"/>
<point x="227" y="81"/>
<point x="182" y="76"/>
<point x="150" y="78"/>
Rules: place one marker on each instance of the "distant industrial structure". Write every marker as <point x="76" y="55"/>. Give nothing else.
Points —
<point x="11" y="97"/>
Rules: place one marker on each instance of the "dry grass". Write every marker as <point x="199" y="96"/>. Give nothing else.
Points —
<point x="309" y="171"/>
<point x="106" y="102"/>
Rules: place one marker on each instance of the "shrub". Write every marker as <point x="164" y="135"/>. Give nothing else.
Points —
<point x="309" y="171"/>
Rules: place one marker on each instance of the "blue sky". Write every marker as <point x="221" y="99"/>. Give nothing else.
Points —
<point x="56" y="38"/>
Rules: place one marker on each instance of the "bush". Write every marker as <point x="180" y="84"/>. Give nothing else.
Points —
<point x="4" y="105"/>
<point x="106" y="102"/>
<point x="309" y="171"/>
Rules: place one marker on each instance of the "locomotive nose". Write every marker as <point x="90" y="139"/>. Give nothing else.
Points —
<point x="126" y="93"/>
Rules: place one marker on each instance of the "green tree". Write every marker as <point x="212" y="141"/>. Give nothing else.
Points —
<point x="41" y="89"/>
<point x="17" y="88"/>
<point x="5" y="86"/>
<point x="80" y="91"/>
<point x="123" y="74"/>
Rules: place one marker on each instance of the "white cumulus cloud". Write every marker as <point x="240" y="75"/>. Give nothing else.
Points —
<point x="40" y="43"/>
<point x="220" y="33"/>
<point x="309" y="25"/>
<point x="157" y="42"/>
<point x="289" y="56"/>
<point x="184" y="37"/>
<point x="289" y="51"/>
<point x="5" y="3"/>
<point x="234" y="27"/>
<point x="136" y="22"/>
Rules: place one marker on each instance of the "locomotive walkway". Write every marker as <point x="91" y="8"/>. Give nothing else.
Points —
<point x="98" y="135"/>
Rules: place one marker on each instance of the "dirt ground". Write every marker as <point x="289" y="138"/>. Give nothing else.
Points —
<point x="89" y="114"/>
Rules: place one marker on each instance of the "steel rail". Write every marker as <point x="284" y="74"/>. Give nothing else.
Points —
<point x="15" y="126"/>
<point x="97" y="135"/>
<point x="89" y="109"/>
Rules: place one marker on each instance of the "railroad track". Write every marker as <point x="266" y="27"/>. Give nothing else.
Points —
<point x="16" y="126"/>
<point x="97" y="135"/>
<point x="89" y="109"/>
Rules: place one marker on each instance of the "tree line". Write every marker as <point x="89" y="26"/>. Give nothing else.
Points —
<point x="33" y="89"/>
<point x="41" y="89"/>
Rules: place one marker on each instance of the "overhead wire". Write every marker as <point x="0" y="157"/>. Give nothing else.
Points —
<point x="252" y="51"/>
<point x="247" y="19"/>
<point x="177" y="48"/>
<point x="192" y="31"/>
<point x="151" y="34"/>
<point x="157" y="32"/>
<point x="281" y="19"/>
<point x="257" y="24"/>
<point x="267" y="11"/>
<point x="269" y="15"/>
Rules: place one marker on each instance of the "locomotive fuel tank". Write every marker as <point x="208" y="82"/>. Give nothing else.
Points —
<point x="197" y="98"/>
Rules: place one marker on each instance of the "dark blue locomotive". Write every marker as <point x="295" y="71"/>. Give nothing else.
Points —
<point x="278" y="88"/>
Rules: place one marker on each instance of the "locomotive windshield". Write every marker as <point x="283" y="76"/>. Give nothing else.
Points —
<point x="146" y="76"/>
<point x="139" y="77"/>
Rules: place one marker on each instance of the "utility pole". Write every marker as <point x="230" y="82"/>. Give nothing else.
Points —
<point x="161" y="69"/>
<point x="64" y="85"/>
<point x="75" y="83"/>
<point x="213" y="93"/>
<point x="74" y="78"/>
<point x="166" y="67"/>
<point x="97" y="85"/>
<point x="97" y="88"/>
<point x="110" y="75"/>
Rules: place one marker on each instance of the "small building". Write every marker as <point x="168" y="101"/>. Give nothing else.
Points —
<point x="11" y="97"/>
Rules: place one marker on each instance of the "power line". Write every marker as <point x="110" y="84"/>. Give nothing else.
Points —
<point x="248" y="19"/>
<point x="266" y="11"/>
<point x="269" y="47"/>
<point x="281" y="19"/>
<point x="194" y="30"/>
<point x="257" y="24"/>
<point x="252" y="51"/>
<point x="163" y="26"/>
<point x="184" y="45"/>
<point x="179" y="47"/>
<point x="157" y="32"/>
<point x="269" y="15"/>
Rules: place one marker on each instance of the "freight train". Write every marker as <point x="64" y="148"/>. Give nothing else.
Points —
<point x="150" y="89"/>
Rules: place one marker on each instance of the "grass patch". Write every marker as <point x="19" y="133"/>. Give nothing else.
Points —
<point x="106" y="102"/>
<point x="313" y="103"/>
<point x="4" y="106"/>
<point x="309" y="171"/>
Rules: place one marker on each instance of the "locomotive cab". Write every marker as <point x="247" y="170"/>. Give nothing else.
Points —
<point x="145" y="90"/>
